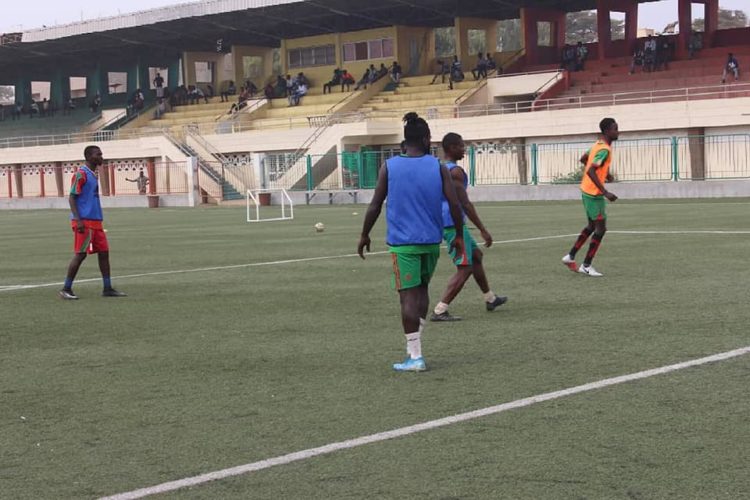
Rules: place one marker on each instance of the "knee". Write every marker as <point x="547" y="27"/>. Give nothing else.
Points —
<point x="477" y="256"/>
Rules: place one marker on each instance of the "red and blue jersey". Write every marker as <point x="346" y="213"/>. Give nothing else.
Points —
<point x="85" y="188"/>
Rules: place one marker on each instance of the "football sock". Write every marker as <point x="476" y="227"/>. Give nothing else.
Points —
<point x="596" y="242"/>
<point x="107" y="282"/>
<point x="68" y="284"/>
<point x="441" y="308"/>
<point x="489" y="296"/>
<point x="414" y="345"/>
<point x="580" y="241"/>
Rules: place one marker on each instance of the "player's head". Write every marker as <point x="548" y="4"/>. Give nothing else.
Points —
<point x="416" y="132"/>
<point x="93" y="155"/>
<point x="454" y="147"/>
<point x="609" y="129"/>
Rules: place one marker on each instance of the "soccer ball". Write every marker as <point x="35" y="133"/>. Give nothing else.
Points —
<point x="320" y="227"/>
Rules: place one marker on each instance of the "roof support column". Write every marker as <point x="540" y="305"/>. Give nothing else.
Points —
<point x="536" y="54"/>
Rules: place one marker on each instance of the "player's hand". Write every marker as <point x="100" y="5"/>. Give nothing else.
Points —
<point x="610" y="196"/>
<point x="487" y="237"/>
<point x="364" y="243"/>
<point x="80" y="227"/>
<point x="458" y="246"/>
<point x="610" y="178"/>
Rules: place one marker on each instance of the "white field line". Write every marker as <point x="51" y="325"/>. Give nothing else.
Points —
<point x="10" y="288"/>
<point x="425" y="426"/>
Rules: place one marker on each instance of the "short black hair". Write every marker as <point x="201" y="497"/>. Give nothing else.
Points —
<point x="416" y="130"/>
<point x="89" y="149"/>
<point x="451" y="139"/>
<point x="606" y="124"/>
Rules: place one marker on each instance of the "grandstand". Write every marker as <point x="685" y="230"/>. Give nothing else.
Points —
<point x="335" y="141"/>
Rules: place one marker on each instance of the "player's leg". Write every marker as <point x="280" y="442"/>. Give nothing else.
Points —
<point x="600" y="229"/>
<point x="100" y="246"/>
<point x="75" y="264"/>
<point x="456" y="283"/>
<point x="491" y="300"/>
<point x="570" y="259"/>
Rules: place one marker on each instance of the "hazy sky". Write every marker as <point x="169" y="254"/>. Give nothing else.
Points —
<point x="17" y="16"/>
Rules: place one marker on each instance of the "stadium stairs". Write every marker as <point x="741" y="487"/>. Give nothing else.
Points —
<point x="602" y="80"/>
<point x="53" y="125"/>
<point x="416" y="94"/>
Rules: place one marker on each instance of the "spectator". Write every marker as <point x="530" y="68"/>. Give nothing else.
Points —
<point x="441" y="70"/>
<point x="299" y="90"/>
<point x="269" y="91"/>
<point x="638" y="57"/>
<point x="303" y="80"/>
<point x="141" y="181"/>
<point x="195" y="94"/>
<point x="373" y="77"/>
<point x="209" y="92"/>
<point x="457" y="74"/>
<point x="663" y="53"/>
<point x="347" y="80"/>
<point x="569" y="57"/>
<point x="335" y="80"/>
<point x="695" y="44"/>
<point x="396" y="72"/>
<point x="70" y="105"/>
<point x="241" y="100"/>
<point x="44" y="109"/>
<point x="17" y="110"/>
<point x="732" y="66"/>
<point x="289" y="83"/>
<point x="161" y="108"/>
<point x="159" y="84"/>
<point x="582" y="53"/>
<point x="281" y="86"/>
<point x="364" y="80"/>
<point x="33" y="109"/>
<point x="492" y="65"/>
<point x="251" y="89"/>
<point x="383" y="71"/>
<point x="231" y="90"/>
<point x="96" y="103"/>
<point x="480" y="71"/>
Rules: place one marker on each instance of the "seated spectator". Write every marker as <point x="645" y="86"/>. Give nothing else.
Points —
<point x="663" y="53"/>
<point x="638" y="58"/>
<point x="732" y="66"/>
<point x="649" y="60"/>
<point x="231" y="90"/>
<point x="96" y="103"/>
<point x="582" y="53"/>
<point x="161" y="108"/>
<point x="16" y="111"/>
<point x="695" y="44"/>
<point x="33" y="109"/>
<point x="480" y="71"/>
<point x="298" y="91"/>
<point x="396" y="72"/>
<point x="138" y="100"/>
<point x="442" y="70"/>
<point x="241" y="100"/>
<point x="347" y="80"/>
<point x="269" y="91"/>
<point x="195" y="94"/>
<point x="457" y="74"/>
<point x="251" y="88"/>
<point x="568" y="57"/>
<point x="491" y="64"/>
<point x="281" y="86"/>
<point x="364" y="80"/>
<point x="69" y="106"/>
<point x="289" y="82"/>
<point x="209" y="91"/>
<point x="373" y="77"/>
<point x="303" y="80"/>
<point x="335" y="80"/>
<point x="383" y="71"/>
<point x="44" y="108"/>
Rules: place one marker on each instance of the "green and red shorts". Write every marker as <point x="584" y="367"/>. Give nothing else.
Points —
<point x="93" y="239"/>
<point x="413" y="265"/>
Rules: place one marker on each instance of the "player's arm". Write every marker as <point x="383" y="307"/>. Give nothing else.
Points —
<point x="449" y="191"/>
<point x="585" y="158"/>
<point x="373" y="211"/>
<point x="75" y="189"/>
<point x="459" y="177"/>
<point x="599" y="160"/>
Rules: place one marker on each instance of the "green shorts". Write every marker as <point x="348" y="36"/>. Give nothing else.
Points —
<point x="413" y="265"/>
<point x="466" y="259"/>
<point x="596" y="206"/>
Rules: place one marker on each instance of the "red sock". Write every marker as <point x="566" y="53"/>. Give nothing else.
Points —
<point x="596" y="242"/>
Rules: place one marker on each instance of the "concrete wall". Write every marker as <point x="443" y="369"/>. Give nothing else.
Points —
<point x="107" y="202"/>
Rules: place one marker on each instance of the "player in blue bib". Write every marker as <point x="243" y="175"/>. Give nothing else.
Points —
<point x="469" y="264"/>
<point x="415" y="184"/>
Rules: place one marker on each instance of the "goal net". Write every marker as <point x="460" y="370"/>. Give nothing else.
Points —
<point x="259" y="208"/>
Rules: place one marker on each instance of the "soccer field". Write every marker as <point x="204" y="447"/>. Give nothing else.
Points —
<point x="244" y="342"/>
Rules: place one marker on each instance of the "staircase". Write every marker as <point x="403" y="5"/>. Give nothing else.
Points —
<point x="416" y="94"/>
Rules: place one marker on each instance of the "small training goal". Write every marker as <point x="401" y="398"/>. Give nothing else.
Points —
<point x="259" y="208"/>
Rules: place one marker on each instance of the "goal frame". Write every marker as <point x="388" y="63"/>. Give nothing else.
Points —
<point x="287" y="205"/>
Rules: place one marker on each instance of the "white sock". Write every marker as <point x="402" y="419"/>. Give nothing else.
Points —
<point x="489" y="296"/>
<point x="414" y="345"/>
<point x="441" y="308"/>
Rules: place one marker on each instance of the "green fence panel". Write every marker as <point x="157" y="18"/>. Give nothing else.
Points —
<point x="498" y="163"/>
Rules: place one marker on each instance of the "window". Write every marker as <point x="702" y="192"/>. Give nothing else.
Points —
<point x="381" y="48"/>
<point x="324" y="55"/>
<point x="117" y="82"/>
<point x="204" y="72"/>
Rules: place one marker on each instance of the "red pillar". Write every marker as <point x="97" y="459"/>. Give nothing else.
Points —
<point x="712" y="22"/>
<point x="10" y="182"/>
<point x="559" y="27"/>
<point x="604" y="28"/>
<point x="59" y="179"/>
<point x="631" y="26"/>
<point x="530" y="35"/>
<point x="685" y="17"/>
<point x="104" y="179"/>
<point x="18" y="174"/>
<point x="151" y="168"/>
<point x="42" y="191"/>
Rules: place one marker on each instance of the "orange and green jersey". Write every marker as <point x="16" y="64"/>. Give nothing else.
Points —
<point x="600" y="154"/>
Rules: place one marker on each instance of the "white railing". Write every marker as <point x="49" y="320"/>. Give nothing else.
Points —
<point x="76" y="137"/>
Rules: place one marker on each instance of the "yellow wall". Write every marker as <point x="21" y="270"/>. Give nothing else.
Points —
<point x="425" y="40"/>
<point x="319" y="75"/>
<point x="240" y="51"/>
<point x="190" y="58"/>
<point x="463" y="25"/>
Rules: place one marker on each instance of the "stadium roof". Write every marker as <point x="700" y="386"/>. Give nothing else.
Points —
<point x="197" y="26"/>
